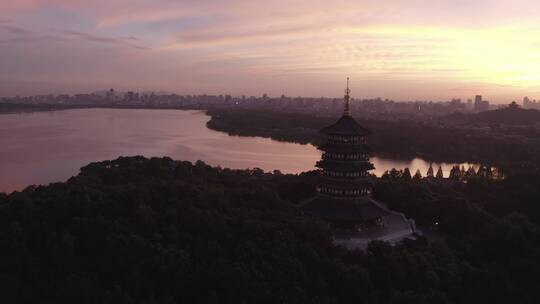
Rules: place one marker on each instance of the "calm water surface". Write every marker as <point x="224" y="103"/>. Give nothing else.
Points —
<point x="44" y="147"/>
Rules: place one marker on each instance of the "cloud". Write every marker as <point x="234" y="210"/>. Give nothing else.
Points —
<point x="216" y="35"/>
<point x="144" y="15"/>
<point x="14" y="30"/>
<point x="127" y="41"/>
<point x="24" y="35"/>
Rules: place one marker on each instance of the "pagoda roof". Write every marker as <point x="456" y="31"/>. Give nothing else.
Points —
<point x="352" y="210"/>
<point x="346" y="125"/>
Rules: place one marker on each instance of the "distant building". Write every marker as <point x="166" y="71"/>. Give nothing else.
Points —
<point x="477" y="99"/>
<point x="480" y="105"/>
<point x="526" y="102"/>
<point x="343" y="194"/>
<point x="530" y="104"/>
<point x="130" y="96"/>
<point x="455" y="105"/>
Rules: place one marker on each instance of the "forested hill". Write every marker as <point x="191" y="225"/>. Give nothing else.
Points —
<point x="505" y="116"/>
<point x="137" y="230"/>
<point x="445" y="140"/>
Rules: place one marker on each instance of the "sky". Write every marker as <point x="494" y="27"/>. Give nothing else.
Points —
<point x="403" y="50"/>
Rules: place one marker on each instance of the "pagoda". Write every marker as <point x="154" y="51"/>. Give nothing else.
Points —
<point x="343" y="192"/>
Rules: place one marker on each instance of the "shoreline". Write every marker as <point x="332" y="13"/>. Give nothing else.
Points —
<point x="226" y="120"/>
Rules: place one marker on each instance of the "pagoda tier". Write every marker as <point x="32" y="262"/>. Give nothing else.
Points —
<point x="345" y="156"/>
<point x="356" y="183"/>
<point x="345" y="159"/>
<point x="338" y="192"/>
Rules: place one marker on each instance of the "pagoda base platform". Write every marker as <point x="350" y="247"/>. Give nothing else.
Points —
<point x="362" y="209"/>
<point x="365" y="220"/>
<point x="395" y="227"/>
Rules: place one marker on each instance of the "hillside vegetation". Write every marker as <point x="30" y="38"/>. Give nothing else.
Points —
<point x="137" y="230"/>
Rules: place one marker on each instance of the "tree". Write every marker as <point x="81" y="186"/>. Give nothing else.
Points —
<point x="406" y="175"/>
<point x="417" y="175"/>
<point x="497" y="174"/>
<point x="471" y="173"/>
<point x="482" y="171"/>
<point x="395" y="174"/>
<point x="440" y="173"/>
<point x="137" y="230"/>
<point x="489" y="172"/>
<point x="455" y="173"/>
<point x="430" y="171"/>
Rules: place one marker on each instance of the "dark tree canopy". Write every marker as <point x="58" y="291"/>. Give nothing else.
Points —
<point x="137" y="230"/>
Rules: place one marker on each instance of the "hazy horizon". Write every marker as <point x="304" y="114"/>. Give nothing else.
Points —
<point x="414" y="50"/>
<point x="120" y="93"/>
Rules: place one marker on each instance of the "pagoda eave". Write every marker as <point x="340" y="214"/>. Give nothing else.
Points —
<point x="351" y="148"/>
<point x="345" y="166"/>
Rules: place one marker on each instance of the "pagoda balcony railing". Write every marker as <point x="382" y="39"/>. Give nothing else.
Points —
<point x="345" y="175"/>
<point x="343" y="161"/>
<point x="344" y="192"/>
<point x="341" y="174"/>
<point x="350" y="158"/>
<point x="338" y="139"/>
<point x="347" y="179"/>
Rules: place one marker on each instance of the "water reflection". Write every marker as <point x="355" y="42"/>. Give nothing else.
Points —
<point x="44" y="147"/>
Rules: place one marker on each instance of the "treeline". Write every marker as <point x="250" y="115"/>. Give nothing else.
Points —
<point x="137" y="230"/>
<point x="398" y="138"/>
<point x="457" y="174"/>
<point x="513" y="115"/>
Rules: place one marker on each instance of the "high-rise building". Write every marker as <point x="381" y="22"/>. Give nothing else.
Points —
<point x="480" y="105"/>
<point x="526" y="102"/>
<point x="477" y="102"/>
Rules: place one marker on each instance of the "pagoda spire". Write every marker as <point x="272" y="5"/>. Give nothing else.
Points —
<point x="347" y="110"/>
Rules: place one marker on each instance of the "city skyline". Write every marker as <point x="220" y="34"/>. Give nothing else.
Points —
<point x="419" y="50"/>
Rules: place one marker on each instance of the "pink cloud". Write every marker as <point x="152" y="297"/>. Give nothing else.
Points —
<point x="127" y="41"/>
<point x="14" y="30"/>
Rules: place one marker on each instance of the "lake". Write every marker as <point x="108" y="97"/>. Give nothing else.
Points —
<point x="45" y="147"/>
